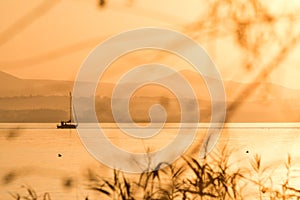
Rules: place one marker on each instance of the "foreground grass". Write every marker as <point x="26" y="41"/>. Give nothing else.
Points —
<point x="212" y="177"/>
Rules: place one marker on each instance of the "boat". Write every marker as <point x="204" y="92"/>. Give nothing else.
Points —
<point x="68" y="124"/>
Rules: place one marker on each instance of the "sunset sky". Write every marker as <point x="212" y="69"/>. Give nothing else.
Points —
<point x="53" y="44"/>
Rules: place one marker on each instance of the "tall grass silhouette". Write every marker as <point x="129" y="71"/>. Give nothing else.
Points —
<point x="213" y="177"/>
<point x="216" y="176"/>
<point x="30" y="194"/>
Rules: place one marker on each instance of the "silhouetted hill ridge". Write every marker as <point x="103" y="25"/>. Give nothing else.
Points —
<point x="14" y="86"/>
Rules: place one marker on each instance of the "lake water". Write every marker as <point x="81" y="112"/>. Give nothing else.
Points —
<point x="55" y="161"/>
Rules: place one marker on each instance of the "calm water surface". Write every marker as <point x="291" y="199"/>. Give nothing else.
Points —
<point x="55" y="161"/>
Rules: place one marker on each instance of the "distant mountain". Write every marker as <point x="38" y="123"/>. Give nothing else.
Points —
<point x="13" y="86"/>
<point x="258" y="91"/>
<point x="24" y="100"/>
<point x="7" y="78"/>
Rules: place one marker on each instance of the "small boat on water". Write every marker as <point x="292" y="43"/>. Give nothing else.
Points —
<point x="68" y="124"/>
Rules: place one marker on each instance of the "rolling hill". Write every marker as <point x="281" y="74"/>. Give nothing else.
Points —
<point x="47" y="100"/>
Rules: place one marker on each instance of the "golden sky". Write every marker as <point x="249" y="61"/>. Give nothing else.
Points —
<point x="52" y="44"/>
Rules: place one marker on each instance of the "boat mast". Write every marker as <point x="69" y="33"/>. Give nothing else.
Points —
<point x="70" y="106"/>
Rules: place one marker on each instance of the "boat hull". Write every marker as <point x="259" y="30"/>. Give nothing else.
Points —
<point x="67" y="126"/>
